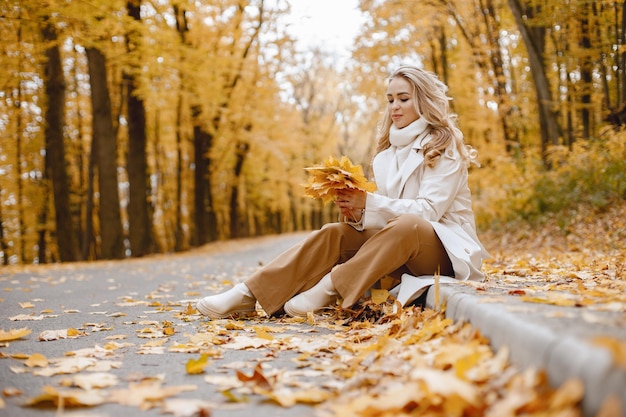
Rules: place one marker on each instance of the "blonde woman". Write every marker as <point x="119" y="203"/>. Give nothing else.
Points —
<point x="419" y="221"/>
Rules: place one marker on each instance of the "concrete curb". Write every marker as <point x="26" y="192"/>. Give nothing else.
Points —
<point x="533" y="344"/>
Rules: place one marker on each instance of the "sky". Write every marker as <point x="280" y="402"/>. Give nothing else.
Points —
<point x="327" y="23"/>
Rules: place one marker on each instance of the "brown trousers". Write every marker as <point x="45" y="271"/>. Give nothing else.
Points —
<point x="407" y="244"/>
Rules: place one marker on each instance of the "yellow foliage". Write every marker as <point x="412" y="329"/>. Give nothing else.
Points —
<point x="196" y="366"/>
<point x="14" y="334"/>
<point x="325" y="180"/>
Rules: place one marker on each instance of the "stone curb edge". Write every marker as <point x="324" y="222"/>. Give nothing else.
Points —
<point x="532" y="344"/>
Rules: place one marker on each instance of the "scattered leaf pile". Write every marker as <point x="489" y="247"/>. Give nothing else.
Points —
<point x="325" y="180"/>
<point x="367" y="361"/>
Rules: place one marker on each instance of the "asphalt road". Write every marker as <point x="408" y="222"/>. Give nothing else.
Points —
<point x="104" y="299"/>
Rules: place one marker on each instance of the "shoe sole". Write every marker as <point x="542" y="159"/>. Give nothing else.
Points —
<point x="293" y="313"/>
<point x="215" y="315"/>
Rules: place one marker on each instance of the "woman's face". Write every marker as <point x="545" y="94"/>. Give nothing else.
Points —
<point x="401" y="103"/>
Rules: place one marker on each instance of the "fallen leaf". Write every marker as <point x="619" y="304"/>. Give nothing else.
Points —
<point x="36" y="360"/>
<point x="187" y="407"/>
<point x="379" y="296"/>
<point x="50" y="335"/>
<point x="93" y="380"/>
<point x="257" y="378"/>
<point x="146" y="394"/>
<point x="12" y="392"/>
<point x="66" y="398"/>
<point x="196" y="366"/>
<point x="13" y="334"/>
<point x="26" y="317"/>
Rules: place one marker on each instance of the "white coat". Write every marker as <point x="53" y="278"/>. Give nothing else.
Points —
<point x="440" y="195"/>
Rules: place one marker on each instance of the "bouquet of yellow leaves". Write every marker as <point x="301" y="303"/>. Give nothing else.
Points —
<point x="325" y="180"/>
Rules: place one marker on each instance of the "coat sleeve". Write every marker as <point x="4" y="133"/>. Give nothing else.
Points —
<point x="437" y="190"/>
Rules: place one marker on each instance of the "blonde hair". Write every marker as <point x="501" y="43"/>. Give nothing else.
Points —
<point x="432" y="103"/>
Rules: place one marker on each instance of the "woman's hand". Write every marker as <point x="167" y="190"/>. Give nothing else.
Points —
<point x="351" y="203"/>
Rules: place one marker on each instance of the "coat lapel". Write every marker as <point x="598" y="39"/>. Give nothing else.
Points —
<point x="414" y="160"/>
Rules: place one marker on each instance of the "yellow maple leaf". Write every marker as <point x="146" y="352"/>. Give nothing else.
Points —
<point x="263" y="334"/>
<point x="190" y="310"/>
<point x="71" y="332"/>
<point x="324" y="180"/>
<point x="13" y="334"/>
<point x="196" y="366"/>
<point x="379" y="296"/>
<point x="36" y="360"/>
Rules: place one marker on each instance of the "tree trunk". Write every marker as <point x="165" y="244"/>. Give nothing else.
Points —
<point x="586" y="71"/>
<point x="139" y="212"/>
<point x="205" y="222"/>
<point x="534" y="39"/>
<point x="56" y="165"/>
<point x="235" y="224"/>
<point x="180" y="238"/>
<point x="4" y="247"/>
<point x="506" y="112"/>
<point x="622" y="58"/>
<point x="111" y="233"/>
<point x="204" y="215"/>
<point x="88" y="245"/>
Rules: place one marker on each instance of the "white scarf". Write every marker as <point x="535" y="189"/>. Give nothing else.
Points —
<point x="401" y="145"/>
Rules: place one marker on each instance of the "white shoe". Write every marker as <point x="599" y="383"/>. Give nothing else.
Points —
<point x="321" y="295"/>
<point x="238" y="299"/>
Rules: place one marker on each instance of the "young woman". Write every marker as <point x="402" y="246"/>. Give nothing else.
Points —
<point x="419" y="221"/>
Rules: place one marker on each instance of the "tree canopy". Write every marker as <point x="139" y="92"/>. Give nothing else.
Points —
<point x="131" y="128"/>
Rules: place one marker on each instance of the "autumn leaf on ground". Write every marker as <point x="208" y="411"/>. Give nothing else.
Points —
<point x="60" y="366"/>
<point x="196" y="366"/>
<point x="26" y="317"/>
<point x="49" y="335"/>
<point x="379" y="296"/>
<point x="187" y="407"/>
<point x="36" y="360"/>
<point x="190" y="310"/>
<point x="69" y="398"/>
<point x="325" y="180"/>
<point x="92" y="380"/>
<point x="147" y="394"/>
<point x="13" y="334"/>
<point x="257" y="378"/>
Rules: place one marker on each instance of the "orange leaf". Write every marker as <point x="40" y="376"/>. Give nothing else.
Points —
<point x="257" y="378"/>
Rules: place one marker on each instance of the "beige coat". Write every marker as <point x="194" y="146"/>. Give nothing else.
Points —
<point x="440" y="195"/>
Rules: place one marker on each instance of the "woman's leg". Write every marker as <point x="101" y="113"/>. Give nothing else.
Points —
<point x="407" y="241"/>
<point x="304" y="265"/>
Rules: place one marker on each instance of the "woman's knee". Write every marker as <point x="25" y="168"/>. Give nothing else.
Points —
<point x="333" y="230"/>
<point x="409" y="221"/>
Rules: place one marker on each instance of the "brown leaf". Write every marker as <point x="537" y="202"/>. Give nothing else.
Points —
<point x="257" y="378"/>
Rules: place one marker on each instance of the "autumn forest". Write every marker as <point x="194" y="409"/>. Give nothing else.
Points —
<point x="137" y="127"/>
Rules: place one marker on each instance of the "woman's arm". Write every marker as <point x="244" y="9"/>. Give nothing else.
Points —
<point x="437" y="191"/>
